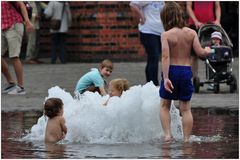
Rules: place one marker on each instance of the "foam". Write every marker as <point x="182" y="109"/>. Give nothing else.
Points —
<point x="131" y="118"/>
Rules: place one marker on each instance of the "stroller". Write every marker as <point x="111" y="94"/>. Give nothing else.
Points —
<point x="218" y="64"/>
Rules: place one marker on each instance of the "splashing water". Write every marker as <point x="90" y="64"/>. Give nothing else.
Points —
<point x="131" y="118"/>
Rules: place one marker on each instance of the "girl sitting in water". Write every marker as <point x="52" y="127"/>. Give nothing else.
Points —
<point x="116" y="88"/>
<point x="56" y="128"/>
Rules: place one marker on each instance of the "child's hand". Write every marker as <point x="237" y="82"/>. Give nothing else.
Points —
<point x="209" y="50"/>
<point x="168" y="85"/>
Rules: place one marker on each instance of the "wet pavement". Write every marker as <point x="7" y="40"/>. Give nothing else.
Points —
<point x="39" y="78"/>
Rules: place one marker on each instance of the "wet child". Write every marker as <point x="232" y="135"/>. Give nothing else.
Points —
<point x="177" y="42"/>
<point x="56" y="128"/>
<point x="116" y="88"/>
<point x="93" y="81"/>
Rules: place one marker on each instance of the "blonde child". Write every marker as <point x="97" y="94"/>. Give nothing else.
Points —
<point x="93" y="81"/>
<point x="116" y="88"/>
<point x="56" y="128"/>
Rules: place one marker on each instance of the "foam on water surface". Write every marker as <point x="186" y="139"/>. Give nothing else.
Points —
<point x="131" y="118"/>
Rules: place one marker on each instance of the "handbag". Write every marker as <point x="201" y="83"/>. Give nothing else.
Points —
<point x="55" y="24"/>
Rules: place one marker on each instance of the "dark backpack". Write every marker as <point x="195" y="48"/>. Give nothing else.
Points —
<point x="28" y="7"/>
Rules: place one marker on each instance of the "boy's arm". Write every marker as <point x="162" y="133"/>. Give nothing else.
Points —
<point x="63" y="126"/>
<point x="202" y="52"/>
<point x="102" y="91"/>
<point x="166" y="62"/>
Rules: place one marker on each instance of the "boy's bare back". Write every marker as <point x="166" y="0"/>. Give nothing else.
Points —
<point x="178" y="42"/>
<point x="55" y="129"/>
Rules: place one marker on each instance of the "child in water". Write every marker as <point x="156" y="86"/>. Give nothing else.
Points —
<point x="94" y="80"/>
<point x="177" y="43"/>
<point x="116" y="88"/>
<point x="56" y="128"/>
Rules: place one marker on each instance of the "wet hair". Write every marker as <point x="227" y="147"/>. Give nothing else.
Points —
<point x="120" y="84"/>
<point x="172" y="16"/>
<point x="107" y="63"/>
<point x="52" y="107"/>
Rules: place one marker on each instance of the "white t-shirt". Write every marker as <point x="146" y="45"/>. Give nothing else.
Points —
<point x="151" y="11"/>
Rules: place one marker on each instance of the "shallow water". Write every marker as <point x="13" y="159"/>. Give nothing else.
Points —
<point x="215" y="135"/>
<point x="128" y="127"/>
<point x="131" y="118"/>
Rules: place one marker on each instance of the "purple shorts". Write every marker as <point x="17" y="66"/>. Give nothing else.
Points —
<point x="181" y="78"/>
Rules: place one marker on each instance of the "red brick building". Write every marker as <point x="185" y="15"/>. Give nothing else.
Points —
<point x="109" y="30"/>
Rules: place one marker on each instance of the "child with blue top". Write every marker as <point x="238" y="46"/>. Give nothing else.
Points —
<point x="93" y="81"/>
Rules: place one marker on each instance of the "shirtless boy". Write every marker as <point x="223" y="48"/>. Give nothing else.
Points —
<point x="177" y="42"/>
<point x="56" y="128"/>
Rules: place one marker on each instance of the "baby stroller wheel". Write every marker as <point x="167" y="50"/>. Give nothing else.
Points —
<point x="196" y="84"/>
<point x="216" y="87"/>
<point x="233" y="84"/>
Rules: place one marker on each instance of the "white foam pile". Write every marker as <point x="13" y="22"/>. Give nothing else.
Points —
<point x="131" y="118"/>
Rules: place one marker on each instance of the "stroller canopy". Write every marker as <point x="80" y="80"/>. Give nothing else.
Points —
<point x="204" y="35"/>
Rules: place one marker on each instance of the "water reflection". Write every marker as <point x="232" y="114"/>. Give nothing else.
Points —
<point x="217" y="131"/>
<point x="188" y="150"/>
<point x="209" y="122"/>
<point x="13" y="126"/>
<point x="55" y="151"/>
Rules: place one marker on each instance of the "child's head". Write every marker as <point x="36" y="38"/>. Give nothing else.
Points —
<point x="172" y="16"/>
<point x="216" y="38"/>
<point x="117" y="86"/>
<point x="53" y="107"/>
<point x="106" y="68"/>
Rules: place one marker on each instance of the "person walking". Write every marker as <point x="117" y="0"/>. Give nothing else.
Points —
<point x="176" y="84"/>
<point x="200" y="13"/>
<point x="150" y="28"/>
<point x="34" y="37"/>
<point x="12" y="26"/>
<point x="61" y="11"/>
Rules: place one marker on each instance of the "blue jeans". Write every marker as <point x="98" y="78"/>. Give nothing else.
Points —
<point x="58" y="42"/>
<point x="152" y="45"/>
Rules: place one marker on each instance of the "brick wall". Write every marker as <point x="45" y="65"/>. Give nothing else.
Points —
<point x="99" y="30"/>
<point x="109" y="30"/>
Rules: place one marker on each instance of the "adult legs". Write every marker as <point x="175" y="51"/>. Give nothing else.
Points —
<point x="17" y="65"/>
<point x="6" y="72"/>
<point x="62" y="47"/>
<point x="187" y="119"/>
<point x="14" y="41"/>
<point x="165" y="118"/>
<point x="36" y="56"/>
<point x="55" y="38"/>
<point x="31" y="45"/>
<point x="152" y="47"/>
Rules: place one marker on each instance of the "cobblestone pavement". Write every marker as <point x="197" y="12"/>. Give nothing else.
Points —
<point x="39" y="78"/>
